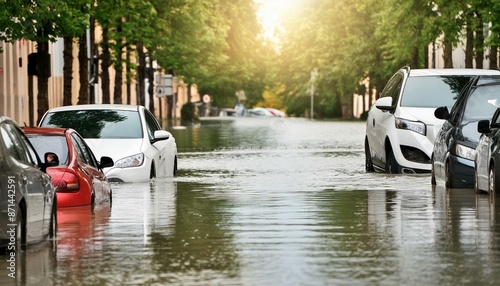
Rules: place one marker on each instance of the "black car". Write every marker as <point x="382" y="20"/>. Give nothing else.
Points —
<point x="455" y="146"/>
<point x="27" y="196"/>
<point x="487" y="172"/>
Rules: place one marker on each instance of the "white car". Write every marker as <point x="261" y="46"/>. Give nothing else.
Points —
<point x="401" y="127"/>
<point x="129" y="134"/>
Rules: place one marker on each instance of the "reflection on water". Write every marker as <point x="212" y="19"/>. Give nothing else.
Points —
<point x="276" y="202"/>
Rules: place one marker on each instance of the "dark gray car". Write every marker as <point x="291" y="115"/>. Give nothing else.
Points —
<point x="455" y="146"/>
<point x="27" y="197"/>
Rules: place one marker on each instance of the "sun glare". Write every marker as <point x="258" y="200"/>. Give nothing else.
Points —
<point x="270" y="14"/>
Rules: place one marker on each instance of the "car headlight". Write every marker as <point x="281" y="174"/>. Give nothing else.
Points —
<point x="415" y="126"/>
<point x="130" y="161"/>
<point x="465" y="152"/>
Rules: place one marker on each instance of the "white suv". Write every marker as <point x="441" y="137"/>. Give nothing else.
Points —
<point x="401" y="126"/>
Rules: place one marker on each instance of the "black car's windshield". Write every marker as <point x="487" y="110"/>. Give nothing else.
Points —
<point x="482" y="103"/>
<point x="97" y="123"/>
<point x="433" y="91"/>
<point x="50" y="143"/>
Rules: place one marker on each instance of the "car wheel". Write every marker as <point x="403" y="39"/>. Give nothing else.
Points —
<point x="152" y="173"/>
<point x="476" y="183"/>
<point x="448" y="179"/>
<point x="433" y="174"/>
<point x="492" y="183"/>
<point x="368" y="157"/>
<point x="175" y="166"/>
<point x="391" y="165"/>
<point x="53" y="222"/>
<point x="20" y="231"/>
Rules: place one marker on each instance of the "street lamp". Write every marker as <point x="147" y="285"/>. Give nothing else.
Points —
<point x="314" y="75"/>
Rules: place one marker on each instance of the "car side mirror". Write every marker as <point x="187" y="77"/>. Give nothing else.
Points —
<point x="106" y="162"/>
<point x="483" y="126"/>
<point x="160" y="135"/>
<point x="385" y="104"/>
<point x="51" y="159"/>
<point x="442" y="112"/>
<point x="494" y="121"/>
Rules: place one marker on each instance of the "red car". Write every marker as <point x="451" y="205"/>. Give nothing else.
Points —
<point x="76" y="174"/>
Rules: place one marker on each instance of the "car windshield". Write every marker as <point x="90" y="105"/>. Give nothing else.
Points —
<point x="97" y="123"/>
<point x="482" y="103"/>
<point x="433" y="91"/>
<point x="50" y="143"/>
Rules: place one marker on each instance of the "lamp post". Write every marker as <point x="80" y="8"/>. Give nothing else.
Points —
<point x="314" y="75"/>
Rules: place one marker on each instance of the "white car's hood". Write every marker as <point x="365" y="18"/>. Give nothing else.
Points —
<point x="114" y="148"/>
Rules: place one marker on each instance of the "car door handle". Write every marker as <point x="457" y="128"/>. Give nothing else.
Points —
<point x="373" y="122"/>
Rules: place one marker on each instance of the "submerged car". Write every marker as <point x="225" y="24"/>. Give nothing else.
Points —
<point x="27" y="198"/>
<point x="401" y="126"/>
<point x="455" y="147"/>
<point x="487" y="161"/>
<point x="129" y="134"/>
<point x="76" y="173"/>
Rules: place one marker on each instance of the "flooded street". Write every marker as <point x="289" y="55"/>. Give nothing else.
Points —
<point x="273" y="202"/>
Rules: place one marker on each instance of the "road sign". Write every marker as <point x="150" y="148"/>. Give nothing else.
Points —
<point x="206" y="98"/>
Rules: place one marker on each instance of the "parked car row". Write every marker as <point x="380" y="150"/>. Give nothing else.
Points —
<point x="444" y="122"/>
<point x="128" y="140"/>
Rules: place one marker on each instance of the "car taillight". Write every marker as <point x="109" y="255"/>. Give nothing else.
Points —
<point x="68" y="182"/>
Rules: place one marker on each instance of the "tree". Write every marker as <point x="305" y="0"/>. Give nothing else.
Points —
<point x="40" y="21"/>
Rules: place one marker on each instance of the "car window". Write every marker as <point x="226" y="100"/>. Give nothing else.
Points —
<point x="482" y="103"/>
<point x="97" y="123"/>
<point x="83" y="151"/>
<point x="10" y="144"/>
<point x="433" y="91"/>
<point x="151" y="124"/>
<point x="389" y="88"/>
<point x="17" y="145"/>
<point x="50" y="143"/>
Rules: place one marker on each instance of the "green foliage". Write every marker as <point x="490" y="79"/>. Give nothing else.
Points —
<point x="217" y="44"/>
<point x="42" y="20"/>
<point x="188" y="114"/>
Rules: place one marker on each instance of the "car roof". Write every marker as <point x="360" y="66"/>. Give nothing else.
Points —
<point x="45" y="130"/>
<point x="96" y="107"/>
<point x="441" y="72"/>
<point x="7" y="119"/>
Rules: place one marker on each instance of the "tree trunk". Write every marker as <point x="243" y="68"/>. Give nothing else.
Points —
<point x="151" y="87"/>
<point x="493" y="57"/>
<point x="414" y="58"/>
<point x="83" y="71"/>
<point x="117" y="93"/>
<point x="31" y="104"/>
<point x="469" y="45"/>
<point x="479" y="42"/>
<point x="128" y="77"/>
<point x="43" y="74"/>
<point x="141" y="74"/>
<point x="170" y="107"/>
<point x="447" y="53"/>
<point x="105" y="64"/>
<point x="67" y="70"/>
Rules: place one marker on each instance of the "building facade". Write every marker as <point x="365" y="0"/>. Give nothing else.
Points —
<point x="14" y="83"/>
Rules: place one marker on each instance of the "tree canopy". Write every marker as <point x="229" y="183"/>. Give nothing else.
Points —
<point x="219" y="45"/>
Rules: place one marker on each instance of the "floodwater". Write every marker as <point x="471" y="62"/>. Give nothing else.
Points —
<point x="272" y="202"/>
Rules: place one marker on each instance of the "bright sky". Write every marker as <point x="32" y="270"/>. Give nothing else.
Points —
<point x="271" y="12"/>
